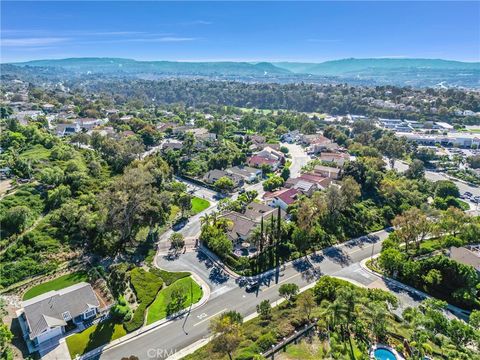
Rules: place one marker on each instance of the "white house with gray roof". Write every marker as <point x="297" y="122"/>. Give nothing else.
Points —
<point x="45" y="317"/>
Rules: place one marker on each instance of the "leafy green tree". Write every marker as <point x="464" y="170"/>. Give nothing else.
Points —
<point x="53" y="176"/>
<point x="474" y="319"/>
<point x="289" y="292"/>
<point x="306" y="304"/>
<point x="6" y="337"/>
<point x="444" y="188"/>
<point x="177" y="241"/>
<point x="285" y="174"/>
<point x="58" y="196"/>
<point x="224" y="184"/>
<point x="17" y="219"/>
<point x="264" y="309"/>
<point x="227" y="334"/>
<point x="177" y="299"/>
<point x="185" y="203"/>
<point x="308" y="127"/>
<point x="273" y="183"/>
<point x="416" y="170"/>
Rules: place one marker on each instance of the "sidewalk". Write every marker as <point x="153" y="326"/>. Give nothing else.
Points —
<point x="385" y="279"/>
<point x="284" y="266"/>
<point x="146" y="329"/>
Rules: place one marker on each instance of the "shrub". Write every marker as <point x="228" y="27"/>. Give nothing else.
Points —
<point x="265" y="341"/>
<point x="326" y="288"/>
<point x="169" y="277"/>
<point x="121" y="311"/>
<point x="146" y="286"/>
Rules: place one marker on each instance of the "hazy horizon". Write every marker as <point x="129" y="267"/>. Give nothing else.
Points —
<point x="239" y="31"/>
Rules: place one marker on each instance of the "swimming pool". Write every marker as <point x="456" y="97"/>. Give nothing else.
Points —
<point x="384" y="354"/>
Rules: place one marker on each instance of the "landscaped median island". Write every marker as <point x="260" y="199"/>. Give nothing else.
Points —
<point x="154" y="295"/>
<point x="159" y="309"/>
<point x="198" y="205"/>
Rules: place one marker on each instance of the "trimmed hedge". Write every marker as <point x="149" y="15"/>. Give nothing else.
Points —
<point x="170" y="277"/>
<point x="146" y="286"/>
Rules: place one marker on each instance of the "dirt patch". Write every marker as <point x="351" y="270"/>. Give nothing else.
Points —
<point x="12" y="304"/>
<point x="103" y="293"/>
<point x="5" y="187"/>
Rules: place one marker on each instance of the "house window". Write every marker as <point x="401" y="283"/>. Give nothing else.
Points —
<point x="89" y="313"/>
<point x="66" y="316"/>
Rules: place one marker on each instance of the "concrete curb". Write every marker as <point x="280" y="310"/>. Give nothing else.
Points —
<point x="145" y="329"/>
<point x="452" y="308"/>
<point x="200" y="343"/>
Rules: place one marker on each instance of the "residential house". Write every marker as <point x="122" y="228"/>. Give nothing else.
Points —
<point x="240" y="228"/>
<point x="291" y="136"/>
<point x="248" y="174"/>
<point x="24" y="116"/>
<point x="46" y="316"/>
<point x="317" y="143"/>
<point x="126" y="133"/>
<point x="104" y="131"/>
<point x="203" y="135"/>
<point x="213" y="175"/>
<point x="5" y="173"/>
<point x="48" y="107"/>
<point x="172" y="145"/>
<point x="67" y="129"/>
<point x="259" y="161"/>
<point x="321" y="182"/>
<point x="168" y="125"/>
<point x="281" y="198"/>
<point x="256" y="211"/>
<point x="306" y="187"/>
<point x="334" y="157"/>
<point x="89" y="123"/>
<point x="327" y="171"/>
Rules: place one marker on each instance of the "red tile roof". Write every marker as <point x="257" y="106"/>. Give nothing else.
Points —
<point x="258" y="161"/>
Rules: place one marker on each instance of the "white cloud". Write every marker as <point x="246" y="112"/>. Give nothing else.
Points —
<point x="197" y="22"/>
<point x="161" y="39"/>
<point x="19" y="42"/>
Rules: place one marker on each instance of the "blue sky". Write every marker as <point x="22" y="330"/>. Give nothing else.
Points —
<point x="239" y="31"/>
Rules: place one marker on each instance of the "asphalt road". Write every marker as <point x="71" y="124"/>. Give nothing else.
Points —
<point x="435" y="176"/>
<point x="298" y="157"/>
<point x="342" y="260"/>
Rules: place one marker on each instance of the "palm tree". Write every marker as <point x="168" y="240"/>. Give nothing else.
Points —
<point x="205" y="219"/>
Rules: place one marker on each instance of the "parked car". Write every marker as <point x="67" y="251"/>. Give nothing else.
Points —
<point x="252" y="286"/>
<point x="180" y="224"/>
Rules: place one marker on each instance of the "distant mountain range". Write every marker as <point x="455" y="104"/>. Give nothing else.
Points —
<point x="349" y="66"/>
<point x="414" y="72"/>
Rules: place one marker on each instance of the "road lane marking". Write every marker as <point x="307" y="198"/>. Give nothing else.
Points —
<point x="207" y="318"/>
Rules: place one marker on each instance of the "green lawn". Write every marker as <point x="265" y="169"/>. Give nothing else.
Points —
<point x="93" y="337"/>
<point x="56" y="284"/>
<point x="37" y="152"/>
<point x="158" y="309"/>
<point x="198" y="205"/>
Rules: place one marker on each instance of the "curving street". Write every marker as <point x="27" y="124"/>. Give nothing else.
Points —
<point x="341" y="261"/>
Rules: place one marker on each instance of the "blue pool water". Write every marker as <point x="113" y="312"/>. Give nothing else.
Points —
<point x="384" y="354"/>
